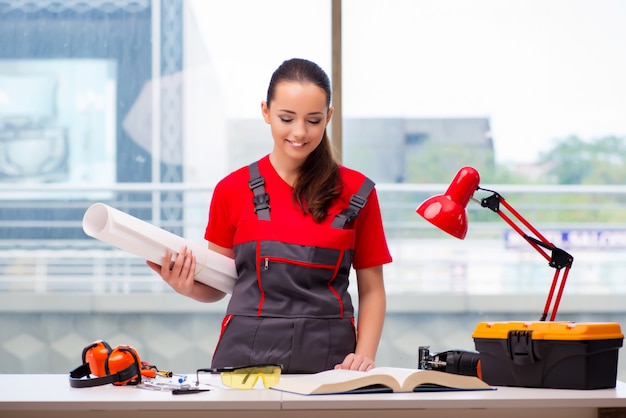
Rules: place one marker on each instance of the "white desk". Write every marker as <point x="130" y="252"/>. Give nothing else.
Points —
<point x="23" y="395"/>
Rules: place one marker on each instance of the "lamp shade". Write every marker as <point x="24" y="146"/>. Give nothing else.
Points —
<point x="447" y="211"/>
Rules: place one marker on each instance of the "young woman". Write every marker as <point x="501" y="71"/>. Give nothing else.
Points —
<point x="295" y="222"/>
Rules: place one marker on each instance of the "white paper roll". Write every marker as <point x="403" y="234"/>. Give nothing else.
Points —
<point x="149" y="242"/>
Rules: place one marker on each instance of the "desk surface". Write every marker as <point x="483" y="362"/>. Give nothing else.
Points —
<point x="28" y="395"/>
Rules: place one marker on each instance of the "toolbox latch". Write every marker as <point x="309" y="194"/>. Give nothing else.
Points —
<point x="520" y="347"/>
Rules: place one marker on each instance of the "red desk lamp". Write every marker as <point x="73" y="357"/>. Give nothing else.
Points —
<point x="448" y="213"/>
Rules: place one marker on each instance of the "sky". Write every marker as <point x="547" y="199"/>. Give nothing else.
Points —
<point x="540" y="70"/>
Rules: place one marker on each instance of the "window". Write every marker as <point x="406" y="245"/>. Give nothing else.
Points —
<point x="145" y="105"/>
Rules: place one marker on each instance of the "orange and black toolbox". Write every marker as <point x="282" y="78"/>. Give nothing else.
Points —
<point x="561" y="355"/>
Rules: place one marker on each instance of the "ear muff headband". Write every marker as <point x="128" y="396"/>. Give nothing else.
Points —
<point x="120" y="366"/>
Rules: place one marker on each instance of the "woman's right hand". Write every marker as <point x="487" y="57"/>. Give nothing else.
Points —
<point x="179" y="274"/>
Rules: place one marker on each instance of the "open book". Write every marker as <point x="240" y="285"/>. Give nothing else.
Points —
<point x="379" y="379"/>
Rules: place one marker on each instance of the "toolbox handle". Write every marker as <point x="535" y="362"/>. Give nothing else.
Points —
<point x="520" y="347"/>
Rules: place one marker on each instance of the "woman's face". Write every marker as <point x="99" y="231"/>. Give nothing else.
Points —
<point x="298" y="116"/>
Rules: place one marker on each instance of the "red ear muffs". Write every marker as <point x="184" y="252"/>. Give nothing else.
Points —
<point x="124" y="360"/>
<point x="120" y="366"/>
<point x="96" y="354"/>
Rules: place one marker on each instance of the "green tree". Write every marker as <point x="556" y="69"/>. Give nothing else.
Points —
<point x="439" y="162"/>
<point x="575" y="161"/>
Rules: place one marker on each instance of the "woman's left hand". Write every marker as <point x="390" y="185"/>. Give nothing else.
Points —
<point x="356" y="362"/>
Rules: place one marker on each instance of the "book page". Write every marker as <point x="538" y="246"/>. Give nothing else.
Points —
<point x="450" y="380"/>
<point x="334" y="381"/>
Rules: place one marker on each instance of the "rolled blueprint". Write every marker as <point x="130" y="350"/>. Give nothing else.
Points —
<point x="151" y="243"/>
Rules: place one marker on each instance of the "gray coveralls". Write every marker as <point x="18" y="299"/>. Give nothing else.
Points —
<point x="290" y="304"/>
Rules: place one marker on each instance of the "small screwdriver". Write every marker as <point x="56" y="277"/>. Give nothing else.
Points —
<point x="188" y="391"/>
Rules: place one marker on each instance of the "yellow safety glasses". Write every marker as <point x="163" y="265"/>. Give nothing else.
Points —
<point x="245" y="377"/>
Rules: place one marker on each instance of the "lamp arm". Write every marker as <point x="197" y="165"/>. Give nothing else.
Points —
<point x="493" y="203"/>
<point x="557" y="258"/>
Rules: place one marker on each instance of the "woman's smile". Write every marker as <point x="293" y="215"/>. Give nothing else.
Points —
<point x="296" y="144"/>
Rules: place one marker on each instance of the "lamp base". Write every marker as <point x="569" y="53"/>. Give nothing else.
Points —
<point x="560" y="355"/>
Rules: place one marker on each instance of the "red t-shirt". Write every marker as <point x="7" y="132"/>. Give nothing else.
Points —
<point x="232" y="202"/>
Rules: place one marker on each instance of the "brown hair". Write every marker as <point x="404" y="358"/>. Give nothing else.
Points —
<point x="318" y="182"/>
